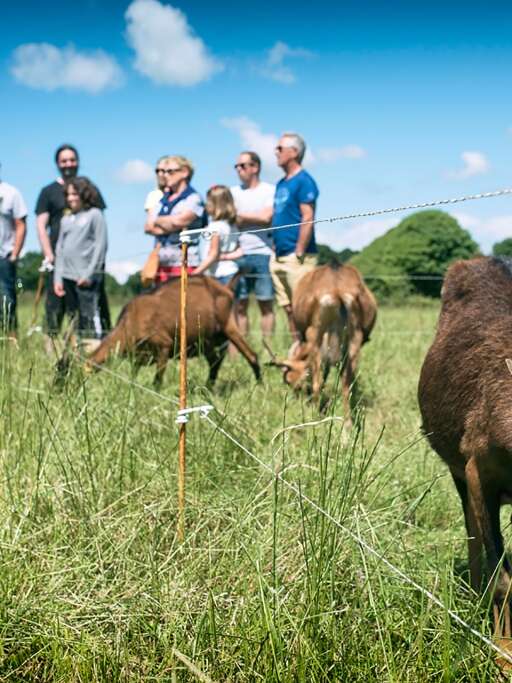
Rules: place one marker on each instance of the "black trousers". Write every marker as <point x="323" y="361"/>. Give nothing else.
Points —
<point x="83" y="304"/>
<point x="7" y="295"/>
<point x="56" y="307"/>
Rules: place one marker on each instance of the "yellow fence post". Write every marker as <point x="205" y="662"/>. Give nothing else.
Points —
<point x="183" y="390"/>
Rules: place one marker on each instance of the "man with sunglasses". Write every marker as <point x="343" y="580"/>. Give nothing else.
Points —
<point x="253" y="201"/>
<point x="294" y="205"/>
<point x="50" y="207"/>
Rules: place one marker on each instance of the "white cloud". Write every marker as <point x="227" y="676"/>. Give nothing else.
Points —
<point x="46" y="67"/>
<point x="166" y="48"/>
<point x="121" y="270"/>
<point x="274" y="66"/>
<point x="135" y="171"/>
<point x="331" y="154"/>
<point x="254" y="139"/>
<point x="475" y="163"/>
<point x="486" y="231"/>
<point x="354" y="235"/>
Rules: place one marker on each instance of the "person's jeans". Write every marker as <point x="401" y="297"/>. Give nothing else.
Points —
<point x="7" y="294"/>
<point x="56" y="307"/>
<point x="83" y="304"/>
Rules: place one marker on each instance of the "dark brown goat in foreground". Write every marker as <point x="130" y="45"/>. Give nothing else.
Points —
<point x="148" y="328"/>
<point x="465" y="397"/>
<point x="334" y="312"/>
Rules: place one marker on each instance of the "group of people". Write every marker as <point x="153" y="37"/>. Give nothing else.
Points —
<point x="245" y="232"/>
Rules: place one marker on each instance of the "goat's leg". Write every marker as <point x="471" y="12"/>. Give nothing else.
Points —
<point x="161" y="364"/>
<point x="484" y="504"/>
<point x="475" y="544"/>
<point x="215" y="356"/>
<point x="234" y="335"/>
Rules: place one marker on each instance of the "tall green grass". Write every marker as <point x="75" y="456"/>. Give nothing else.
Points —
<point x="95" y="587"/>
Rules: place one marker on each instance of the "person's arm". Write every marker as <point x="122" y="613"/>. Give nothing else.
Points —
<point x="20" y="230"/>
<point x="100" y="248"/>
<point x="307" y="212"/>
<point x="212" y="256"/>
<point x="174" y="223"/>
<point x="151" y="229"/>
<point x="42" y="232"/>
<point x="58" y="285"/>
<point x="261" y="218"/>
<point x="232" y="255"/>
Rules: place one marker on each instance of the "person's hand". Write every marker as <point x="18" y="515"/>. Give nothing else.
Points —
<point x="49" y="258"/>
<point x="58" y="288"/>
<point x="151" y="229"/>
<point x="13" y="258"/>
<point x="300" y="256"/>
<point x="83" y="282"/>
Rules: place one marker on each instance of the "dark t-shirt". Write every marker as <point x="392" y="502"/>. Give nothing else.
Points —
<point x="51" y="200"/>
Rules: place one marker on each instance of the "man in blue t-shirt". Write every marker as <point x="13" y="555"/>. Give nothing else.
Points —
<point x="294" y="203"/>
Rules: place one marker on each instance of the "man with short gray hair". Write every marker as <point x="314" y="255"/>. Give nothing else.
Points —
<point x="294" y="204"/>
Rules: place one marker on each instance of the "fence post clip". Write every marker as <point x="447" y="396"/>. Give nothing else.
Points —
<point x="182" y="416"/>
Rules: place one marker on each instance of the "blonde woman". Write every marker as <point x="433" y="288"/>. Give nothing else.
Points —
<point x="180" y="208"/>
<point x="220" y="260"/>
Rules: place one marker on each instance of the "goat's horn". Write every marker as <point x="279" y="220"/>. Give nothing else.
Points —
<point x="270" y="352"/>
<point x="275" y="360"/>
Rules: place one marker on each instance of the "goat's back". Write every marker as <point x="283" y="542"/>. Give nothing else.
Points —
<point x="341" y="286"/>
<point x="154" y="317"/>
<point x="465" y="388"/>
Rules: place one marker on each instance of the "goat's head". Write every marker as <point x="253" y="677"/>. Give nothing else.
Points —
<point x="295" y="369"/>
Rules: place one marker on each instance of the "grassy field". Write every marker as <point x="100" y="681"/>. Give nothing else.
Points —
<point x="95" y="586"/>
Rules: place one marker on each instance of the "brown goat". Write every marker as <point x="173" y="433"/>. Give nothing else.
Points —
<point x="148" y="327"/>
<point x="465" y="393"/>
<point x="334" y="312"/>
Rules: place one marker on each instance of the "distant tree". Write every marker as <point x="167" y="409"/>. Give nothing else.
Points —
<point x="503" y="248"/>
<point x="28" y="269"/>
<point x="422" y="246"/>
<point x="133" y="285"/>
<point x="112" y="286"/>
<point x="327" y="255"/>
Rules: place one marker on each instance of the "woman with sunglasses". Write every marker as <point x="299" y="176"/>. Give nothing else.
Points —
<point x="181" y="208"/>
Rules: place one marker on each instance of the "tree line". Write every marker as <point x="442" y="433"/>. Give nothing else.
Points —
<point x="408" y="259"/>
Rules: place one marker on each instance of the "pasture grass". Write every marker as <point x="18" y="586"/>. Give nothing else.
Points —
<point x="95" y="586"/>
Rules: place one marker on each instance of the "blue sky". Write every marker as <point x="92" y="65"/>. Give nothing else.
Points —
<point x="397" y="104"/>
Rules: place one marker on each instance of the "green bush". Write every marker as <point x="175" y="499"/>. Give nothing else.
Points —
<point x="328" y="255"/>
<point x="420" y="247"/>
<point x="503" y="248"/>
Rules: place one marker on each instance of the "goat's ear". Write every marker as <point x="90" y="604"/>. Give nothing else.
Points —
<point x="509" y="364"/>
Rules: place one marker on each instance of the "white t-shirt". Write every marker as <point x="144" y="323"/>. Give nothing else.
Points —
<point x="153" y="200"/>
<point x="170" y="253"/>
<point x="228" y="242"/>
<point x="12" y="207"/>
<point x="253" y="200"/>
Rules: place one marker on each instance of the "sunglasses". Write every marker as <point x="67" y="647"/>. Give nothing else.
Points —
<point x="243" y="166"/>
<point x="280" y="148"/>
<point x="170" y="171"/>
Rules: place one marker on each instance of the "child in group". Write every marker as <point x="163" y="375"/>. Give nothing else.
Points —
<point x="80" y="256"/>
<point x="224" y="250"/>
